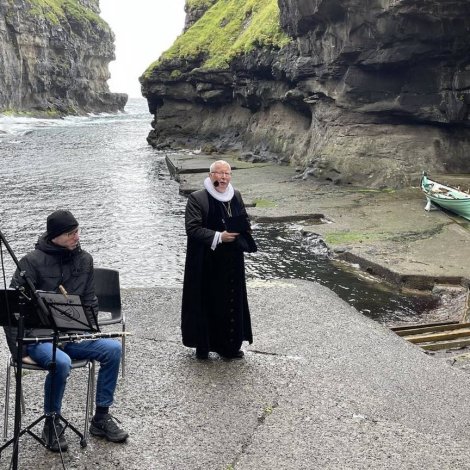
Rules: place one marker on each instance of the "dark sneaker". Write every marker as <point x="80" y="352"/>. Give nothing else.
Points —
<point x="50" y="438"/>
<point x="108" y="428"/>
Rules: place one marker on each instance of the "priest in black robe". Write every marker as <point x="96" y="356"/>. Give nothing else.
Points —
<point x="215" y="314"/>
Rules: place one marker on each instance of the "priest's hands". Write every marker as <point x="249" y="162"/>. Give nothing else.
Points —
<point x="228" y="237"/>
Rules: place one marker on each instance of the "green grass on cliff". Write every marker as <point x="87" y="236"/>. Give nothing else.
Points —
<point x="55" y="10"/>
<point x="228" y="29"/>
<point x="199" y="3"/>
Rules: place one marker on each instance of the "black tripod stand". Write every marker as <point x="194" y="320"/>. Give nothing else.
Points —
<point x="30" y="308"/>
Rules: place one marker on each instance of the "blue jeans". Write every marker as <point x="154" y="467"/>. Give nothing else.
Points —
<point x="106" y="351"/>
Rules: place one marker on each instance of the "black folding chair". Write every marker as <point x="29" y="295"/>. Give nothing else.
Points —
<point x="29" y="364"/>
<point x="108" y="291"/>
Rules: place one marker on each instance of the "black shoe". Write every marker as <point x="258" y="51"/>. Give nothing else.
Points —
<point x="238" y="355"/>
<point x="51" y="440"/>
<point x="108" y="428"/>
<point x="235" y="355"/>
<point x="202" y="354"/>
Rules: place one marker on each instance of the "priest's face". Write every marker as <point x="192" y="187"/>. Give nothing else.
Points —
<point x="220" y="176"/>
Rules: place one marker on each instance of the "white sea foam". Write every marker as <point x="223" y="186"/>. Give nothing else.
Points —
<point x="21" y="125"/>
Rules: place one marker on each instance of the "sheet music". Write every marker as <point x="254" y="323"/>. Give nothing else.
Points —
<point x="67" y="312"/>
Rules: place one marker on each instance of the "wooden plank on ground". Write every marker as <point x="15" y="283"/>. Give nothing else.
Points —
<point x="436" y="336"/>
<point x="446" y="345"/>
<point x="439" y="336"/>
<point x="419" y="325"/>
<point x="426" y="328"/>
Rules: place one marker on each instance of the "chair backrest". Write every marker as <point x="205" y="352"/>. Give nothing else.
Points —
<point x="108" y="291"/>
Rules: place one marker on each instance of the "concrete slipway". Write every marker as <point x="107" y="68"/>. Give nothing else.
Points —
<point x="321" y="387"/>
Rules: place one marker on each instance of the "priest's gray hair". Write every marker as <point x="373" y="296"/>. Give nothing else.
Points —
<point x="218" y="162"/>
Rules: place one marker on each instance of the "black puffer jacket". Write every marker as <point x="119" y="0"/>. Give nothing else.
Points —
<point x="49" y="266"/>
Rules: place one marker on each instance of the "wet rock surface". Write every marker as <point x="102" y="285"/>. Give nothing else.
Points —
<point x="384" y="232"/>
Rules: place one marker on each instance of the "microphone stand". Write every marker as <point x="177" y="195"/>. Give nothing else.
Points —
<point x="43" y="314"/>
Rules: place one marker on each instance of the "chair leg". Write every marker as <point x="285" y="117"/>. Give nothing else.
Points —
<point x="7" y="401"/>
<point x="92" y="384"/>
<point x="123" y="357"/>
<point x="23" y="404"/>
<point x="89" y="396"/>
<point x="10" y="365"/>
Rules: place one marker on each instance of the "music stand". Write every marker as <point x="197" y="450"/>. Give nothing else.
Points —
<point x="66" y="314"/>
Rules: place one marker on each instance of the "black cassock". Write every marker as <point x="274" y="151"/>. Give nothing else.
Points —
<point x="215" y="314"/>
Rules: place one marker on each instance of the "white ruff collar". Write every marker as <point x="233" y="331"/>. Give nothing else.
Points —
<point x="226" y="196"/>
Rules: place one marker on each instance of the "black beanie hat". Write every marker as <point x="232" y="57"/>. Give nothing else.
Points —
<point x="60" y="222"/>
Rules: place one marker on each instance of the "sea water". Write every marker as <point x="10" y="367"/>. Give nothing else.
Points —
<point x="102" y="169"/>
<point x="132" y="217"/>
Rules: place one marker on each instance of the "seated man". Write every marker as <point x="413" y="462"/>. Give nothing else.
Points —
<point x="58" y="261"/>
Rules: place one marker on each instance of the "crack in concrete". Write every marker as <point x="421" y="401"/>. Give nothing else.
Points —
<point x="158" y="340"/>
<point x="265" y="353"/>
<point x="267" y="411"/>
<point x="261" y="420"/>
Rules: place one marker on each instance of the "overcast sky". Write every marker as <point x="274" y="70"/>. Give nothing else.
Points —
<point x="144" y="29"/>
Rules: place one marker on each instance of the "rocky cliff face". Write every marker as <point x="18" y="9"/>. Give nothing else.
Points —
<point x="54" y="58"/>
<point x="368" y="92"/>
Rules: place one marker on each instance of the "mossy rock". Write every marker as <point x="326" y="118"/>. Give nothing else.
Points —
<point x="264" y="203"/>
<point x="343" y="238"/>
<point x="228" y="29"/>
<point x="56" y="11"/>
